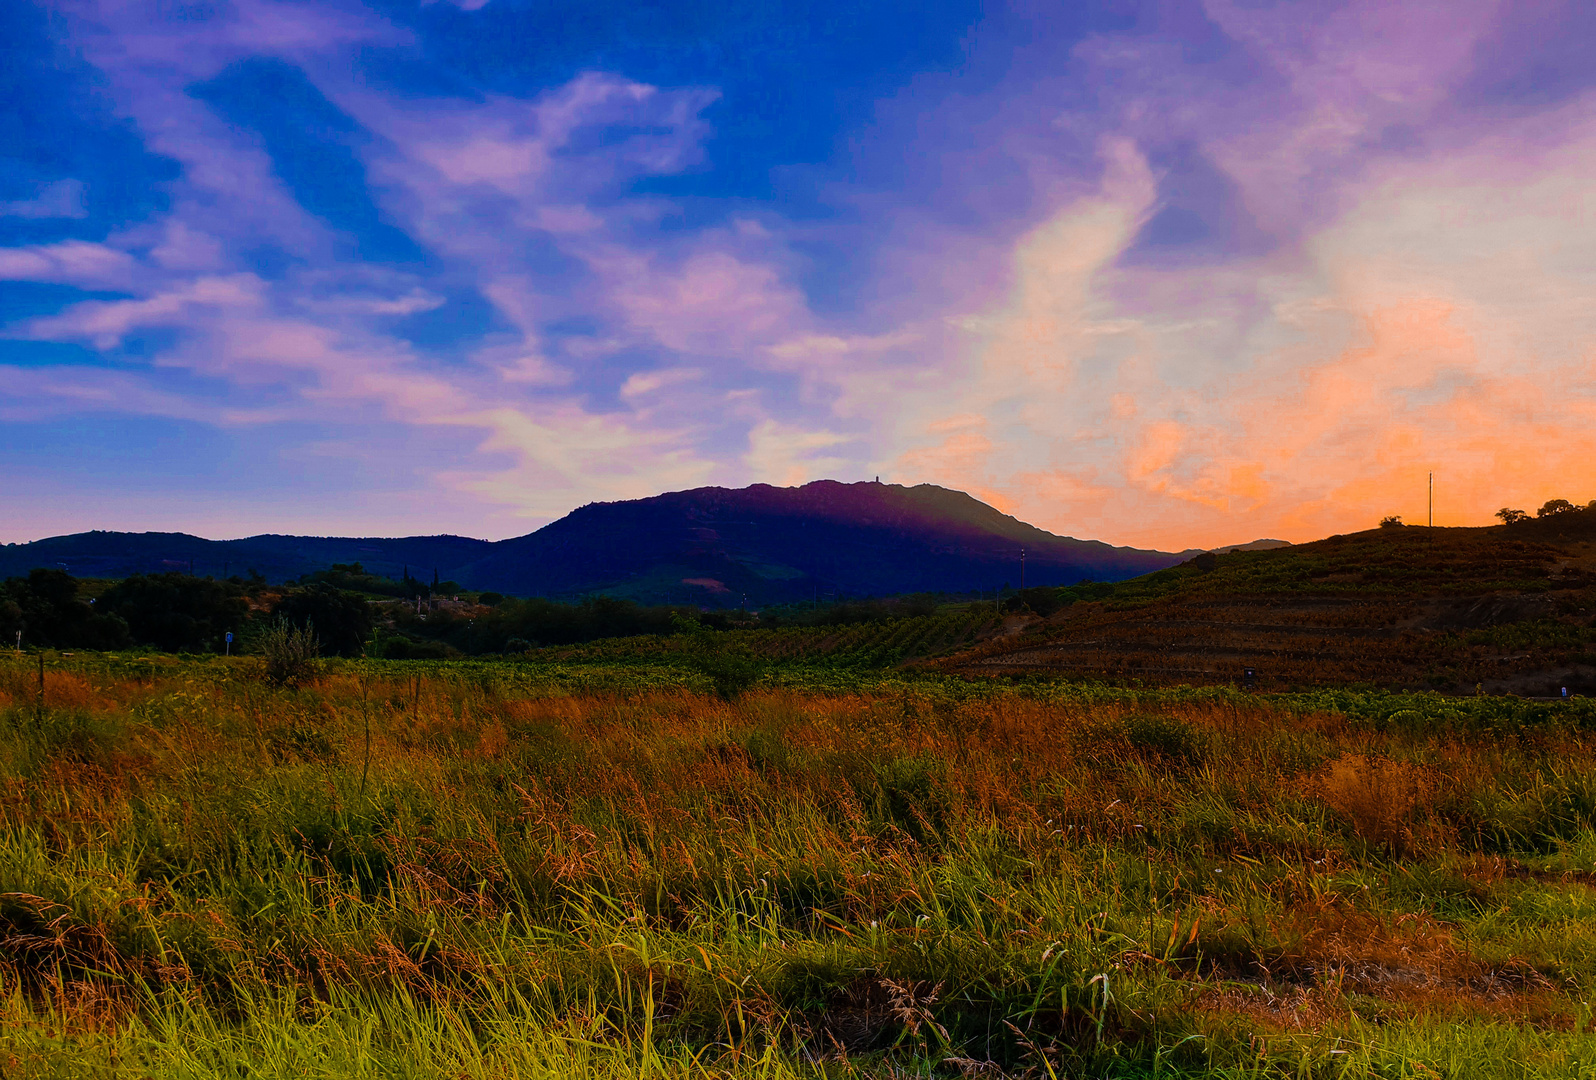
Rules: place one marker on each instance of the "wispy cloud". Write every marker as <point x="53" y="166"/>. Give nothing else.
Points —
<point x="1204" y="272"/>
<point x="60" y="199"/>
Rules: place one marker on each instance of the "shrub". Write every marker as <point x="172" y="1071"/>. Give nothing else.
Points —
<point x="404" y="648"/>
<point x="1392" y="521"/>
<point x="1174" y="741"/>
<point x="1158" y="740"/>
<point x="1042" y="600"/>
<point x="730" y="672"/>
<point x="288" y="653"/>
<point x="1377" y="795"/>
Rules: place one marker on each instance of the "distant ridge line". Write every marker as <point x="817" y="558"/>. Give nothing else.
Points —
<point x="709" y="545"/>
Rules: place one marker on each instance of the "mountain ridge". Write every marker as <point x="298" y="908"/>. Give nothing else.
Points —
<point x="708" y="545"/>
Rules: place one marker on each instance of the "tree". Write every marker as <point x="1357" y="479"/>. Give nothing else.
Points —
<point x="176" y="612"/>
<point x="1394" y="521"/>
<point x="45" y="608"/>
<point x="341" y="620"/>
<point x="1553" y="507"/>
<point x="1510" y="516"/>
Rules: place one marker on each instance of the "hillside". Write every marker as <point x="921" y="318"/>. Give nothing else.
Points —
<point x="1507" y="609"/>
<point x="709" y="546"/>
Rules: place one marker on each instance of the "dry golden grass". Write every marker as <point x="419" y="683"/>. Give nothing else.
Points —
<point x="869" y="867"/>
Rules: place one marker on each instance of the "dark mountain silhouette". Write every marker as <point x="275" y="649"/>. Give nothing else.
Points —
<point x="277" y="558"/>
<point x="712" y="546"/>
<point x="715" y="545"/>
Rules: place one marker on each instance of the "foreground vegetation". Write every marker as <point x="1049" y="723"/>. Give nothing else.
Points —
<point x="541" y="869"/>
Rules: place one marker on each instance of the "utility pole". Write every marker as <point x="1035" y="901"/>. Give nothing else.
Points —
<point x="1022" y="569"/>
<point x="1432" y="500"/>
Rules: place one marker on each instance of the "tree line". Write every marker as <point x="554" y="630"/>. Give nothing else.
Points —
<point x="353" y="613"/>
<point x="1551" y="508"/>
<point x="173" y="612"/>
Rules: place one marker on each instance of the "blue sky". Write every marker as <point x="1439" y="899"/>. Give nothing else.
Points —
<point x="1160" y="273"/>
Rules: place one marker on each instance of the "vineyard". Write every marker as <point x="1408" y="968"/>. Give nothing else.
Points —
<point x="1504" y="610"/>
<point x="863" y="646"/>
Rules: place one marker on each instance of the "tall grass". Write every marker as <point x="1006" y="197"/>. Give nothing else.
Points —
<point x="408" y="869"/>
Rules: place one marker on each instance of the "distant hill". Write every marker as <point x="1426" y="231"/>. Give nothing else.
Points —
<point x="710" y="546"/>
<point x="1509" y="608"/>
<point x="1256" y="545"/>
<point x="277" y="558"/>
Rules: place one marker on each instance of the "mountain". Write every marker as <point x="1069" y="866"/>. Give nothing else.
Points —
<point x="714" y="545"/>
<point x="711" y="546"/>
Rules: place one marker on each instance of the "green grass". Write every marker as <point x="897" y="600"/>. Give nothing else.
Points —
<point x="605" y="867"/>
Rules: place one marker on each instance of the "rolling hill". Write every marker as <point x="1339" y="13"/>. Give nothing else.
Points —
<point x="710" y="546"/>
<point x="1509" y="608"/>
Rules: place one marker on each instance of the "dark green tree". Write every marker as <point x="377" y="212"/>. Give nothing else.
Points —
<point x="177" y="612"/>
<point x="341" y="620"/>
<point x="45" y="607"/>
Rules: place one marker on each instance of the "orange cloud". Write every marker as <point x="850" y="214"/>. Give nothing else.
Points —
<point x="1441" y="323"/>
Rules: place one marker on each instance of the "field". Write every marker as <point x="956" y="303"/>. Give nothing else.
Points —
<point x="598" y="868"/>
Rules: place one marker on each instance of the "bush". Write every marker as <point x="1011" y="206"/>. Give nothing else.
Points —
<point x="404" y="648"/>
<point x="731" y="673"/>
<point x="288" y="653"/>
<point x="1165" y="741"/>
<point x="1042" y="600"/>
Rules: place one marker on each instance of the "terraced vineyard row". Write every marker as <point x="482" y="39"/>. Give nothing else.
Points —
<point x="881" y="644"/>
<point x="864" y="645"/>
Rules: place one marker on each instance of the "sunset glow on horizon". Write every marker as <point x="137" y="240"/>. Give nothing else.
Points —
<point x="1168" y="274"/>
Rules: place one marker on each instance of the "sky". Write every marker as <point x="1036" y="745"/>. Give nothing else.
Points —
<point x="1169" y="274"/>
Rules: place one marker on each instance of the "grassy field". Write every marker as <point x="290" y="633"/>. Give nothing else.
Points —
<point x="595" y="867"/>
